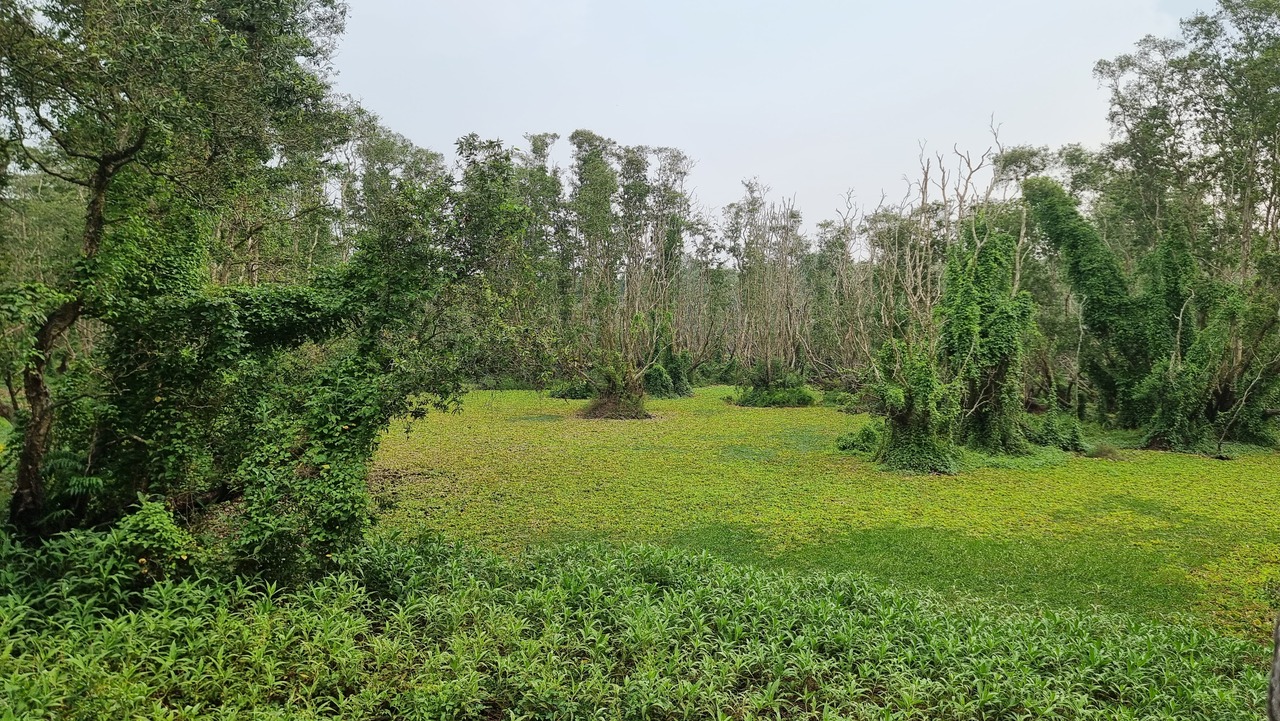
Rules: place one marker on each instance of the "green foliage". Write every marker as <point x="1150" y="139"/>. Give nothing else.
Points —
<point x="679" y="367"/>
<point x="657" y="383"/>
<point x="985" y="326"/>
<point x="840" y="400"/>
<point x="920" y="411"/>
<point x="1056" y="429"/>
<point x="1120" y="357"/>
<point x="770" y="385"/>
<point x="89" y="574"/>
<point x="272" y="394"/>
<point x="578" y="390"/>
<point x="778" y="397"/>
<point x="518" y="469"/>
<point x="1163" y="359"/>
<point x="151" y="535"/>
<point x="502" y="383"/>
<point x="866" y="440"/>
<point x="718" y="372"/>
<point x="424" y="629"/>
<point x="1105" y="451"/>
<point x="619" y="395"/>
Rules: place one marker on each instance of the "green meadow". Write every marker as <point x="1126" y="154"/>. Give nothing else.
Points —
<point x="1157" y="534"/>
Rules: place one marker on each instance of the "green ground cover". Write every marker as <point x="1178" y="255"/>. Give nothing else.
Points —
<point x="1151" y="533"/>
<point x="427" y="630"/>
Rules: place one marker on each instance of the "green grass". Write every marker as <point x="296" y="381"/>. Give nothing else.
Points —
<point x="1152" y="533"/>
<point x="426" y="630"/>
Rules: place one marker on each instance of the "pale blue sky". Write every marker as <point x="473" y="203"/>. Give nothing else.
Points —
<point x="812" y="96"/>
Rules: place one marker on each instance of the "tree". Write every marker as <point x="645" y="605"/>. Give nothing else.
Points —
<point x="178" y="90"/>
<point x="985" y="325"/>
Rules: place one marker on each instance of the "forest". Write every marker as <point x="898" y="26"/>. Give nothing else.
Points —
<point x="303" y="420"/>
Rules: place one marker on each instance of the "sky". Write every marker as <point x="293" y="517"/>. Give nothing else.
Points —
<point x="813" y="97"/>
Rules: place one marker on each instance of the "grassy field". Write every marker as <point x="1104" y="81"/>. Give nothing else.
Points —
<point x="1151" y="533"/>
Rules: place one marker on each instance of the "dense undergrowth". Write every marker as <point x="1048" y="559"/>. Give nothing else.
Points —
<point x="429" y="630"/>
<point x="773" y="386"/>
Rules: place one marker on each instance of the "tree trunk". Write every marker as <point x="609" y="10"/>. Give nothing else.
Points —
<point x="27" y="507"/>
<point x="1273" y="688"/>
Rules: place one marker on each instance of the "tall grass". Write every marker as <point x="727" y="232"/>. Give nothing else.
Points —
<point x="428" y="630"/>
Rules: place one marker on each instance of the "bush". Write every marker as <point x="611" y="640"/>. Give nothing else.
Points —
<point x="574" y="390"/>
<point x="775" y="398"/>
<point x="866" y="439"/>
<point x="616" y="407"/>
<point x="920" y="410"/>
<point x="426" y="630"/>
<point x="100" y="574"/>
<point x="774" y="386"/>
<point x="680" y="367"/>
<point x="840" y="400"/>
<point x="657" y="382"/>
<point x="1105" y="451"/>
<point x="717" y="372"/>
<point x="619" y="395"/>
<point x="913" y="448"/>
<point x="1057" y="429"/>
<point x="151" y="535"/>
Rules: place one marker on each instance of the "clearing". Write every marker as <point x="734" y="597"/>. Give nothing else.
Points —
<point x="1158" y="534"/>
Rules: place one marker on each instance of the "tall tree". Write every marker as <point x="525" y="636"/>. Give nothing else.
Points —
<point x="185" y="91"/>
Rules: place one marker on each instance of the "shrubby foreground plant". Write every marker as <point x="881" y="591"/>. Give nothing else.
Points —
<point x="424" y="629"/>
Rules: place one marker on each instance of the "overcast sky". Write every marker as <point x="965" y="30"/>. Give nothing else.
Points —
<point x="812" y="96"/>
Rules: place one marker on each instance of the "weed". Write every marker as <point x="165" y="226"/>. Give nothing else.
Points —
<point x="425" y="629"/>
<point x="1105" y="451"/>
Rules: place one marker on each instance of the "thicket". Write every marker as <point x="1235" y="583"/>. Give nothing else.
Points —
<point x="773" y="385"/>
<point x="225" y="333"/>
<point x="428" y="630"/>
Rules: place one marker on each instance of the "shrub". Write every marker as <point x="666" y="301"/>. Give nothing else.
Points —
<point x="919" y="409"/>
<point x="774" y="386"/>
<point x="622" y="407"/>
<point x="1057" y="429"/>
<point x="717" y="372"/>
<point x="866" y="439"/>
<point x="837" y="399"/>
<point x="1104" y="450"/>
<point x="775" y="398"/>
<point x="907" y="447"/>
<point x="619" y="394"/>
<point x="151" y="535"/>
<point x="423" y="629"/>
<point x="575" y="390"/>
<point x="657" y="382"/>
<point x="680" y="367"/>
